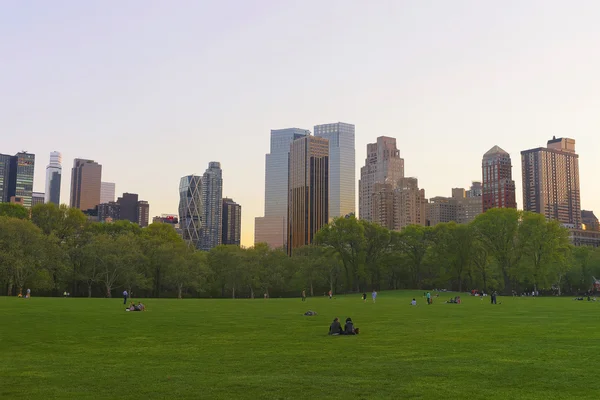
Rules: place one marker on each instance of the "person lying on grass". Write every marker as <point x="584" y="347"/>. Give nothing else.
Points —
<point x="133" y="307"/>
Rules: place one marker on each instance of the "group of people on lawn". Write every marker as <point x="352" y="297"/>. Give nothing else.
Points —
<point x="336" y="328"/>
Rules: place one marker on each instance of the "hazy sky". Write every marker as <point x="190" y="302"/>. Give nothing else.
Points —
<point x="154" y="90"/>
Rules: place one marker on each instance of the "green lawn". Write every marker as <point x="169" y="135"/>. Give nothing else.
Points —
<point x="55" y="348"/>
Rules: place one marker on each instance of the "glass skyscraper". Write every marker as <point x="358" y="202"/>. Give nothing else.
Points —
<point x="272" y="228"/>
<point x="21" y="177"/>
<point x="53" y="178"/>
<point x="191" y="209"/>
<point x="342" y="167"/>
<point x="212" y="199"/>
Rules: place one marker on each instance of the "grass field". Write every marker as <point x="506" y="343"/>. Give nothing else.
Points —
<point x="55" y="348"/>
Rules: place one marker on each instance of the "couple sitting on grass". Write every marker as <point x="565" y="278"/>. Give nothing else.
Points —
<point x="133" y="307"/>
<point x="336" y="328"/>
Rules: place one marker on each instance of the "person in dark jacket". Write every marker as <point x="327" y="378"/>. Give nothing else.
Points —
<point x="336" y="328"/>
<point x="349" y="327"/>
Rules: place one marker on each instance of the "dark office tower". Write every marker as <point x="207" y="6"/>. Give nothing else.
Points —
<point x="143" y="213"/>
<point x="129" y="207"/>
<point x="551" y="182"/>
<point x="232" y="222"/>
<point x="86" y="178"/>
<point x="191" y="210"/>
<point x="20" y="183"/>
<point x="589" y="221"/>
<point x="5" y="161"/>
<point x="109" y="212"/>
<point x="212" y="199"/>
<point x="53" y="178"/>
<point x="308" y="190"/>
<point x="498" y="186"/>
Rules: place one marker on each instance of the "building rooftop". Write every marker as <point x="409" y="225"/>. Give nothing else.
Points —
<point x="495" y="150"/>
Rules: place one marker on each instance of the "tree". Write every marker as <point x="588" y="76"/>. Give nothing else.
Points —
<point x="226" y="263"/>
<point x="413" y="242"/>
<point x="377" y="243"/>
<point x="159" y="244"/>
<point x="13" y="211"/>
<point x="346" y="237"/>
<point x="189" y="271"/>
<point x="114" y="255"/>
<point x="23" y="251"/>
<point x="498" y="229"/>
<point x="62" y="221"/>
<point x="311" y="265"/>
<point x="547" y="242"/>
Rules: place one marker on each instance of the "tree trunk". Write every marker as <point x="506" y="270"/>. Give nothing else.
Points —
<point x="233" y="292"/>
<point x="10" y="288"/>
<point x="89" y="290"/>
<point x="251" y="293"/>
<point x="179" y="292"/>
<point x="312" y="293"/>
<point x="108" y="292"/>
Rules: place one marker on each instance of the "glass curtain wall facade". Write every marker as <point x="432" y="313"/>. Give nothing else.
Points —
<point x="308" y="194"/>
<point x="21" y="179"/>
<point x="272" y="228"/>
<point x="53" y="178"/>
<point x="86" y="178"/>
<point x="5" y="161"/>
<point x="191" y="209"/>
<point x="342" y="167"/>
<point x="212" y="196"/>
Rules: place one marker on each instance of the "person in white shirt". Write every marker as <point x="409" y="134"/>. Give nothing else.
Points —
<point x="413" y="302"/>
<point x="125" y="295"/>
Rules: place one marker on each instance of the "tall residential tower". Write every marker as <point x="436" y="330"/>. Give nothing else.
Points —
<point x="212" y="199"/>
<point x="342" y="169"/>
<point x="551" y="181"/>
<point x="497" y="186"/>
<point x="232" y="222"/>
<point x="382" y="165"/>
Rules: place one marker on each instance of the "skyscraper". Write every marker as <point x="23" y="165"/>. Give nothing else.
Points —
<point x="212" y="199"/>
<point x="129" y="207"/>
<point x="86" y="178"/>
<point x="107" y="192"/>
<point x="382" y="165"/>
<point x="460" y="208"/>
<point x="20" y="182"/>
<point x="498" y="187"/>
<point x="476" y="190"/>
<point x="272" y="228"/>
<point x="308" y="194"/>
<point x="410" y="204"/>
<point x="342" y="167"/>
<point x="191" y="209"/>
<point x="5" y="161"/>
<point x="143" y="212"/>
<point x="232" y="222"/>
<point x="53" y="178"/>
<point x="551" y="181"/>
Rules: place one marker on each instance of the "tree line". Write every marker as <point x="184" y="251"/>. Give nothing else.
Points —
<point x="54" y="249"/>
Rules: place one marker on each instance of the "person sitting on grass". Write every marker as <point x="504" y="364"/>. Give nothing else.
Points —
<point x="349" y="329"/>
<point x="413" y="302"/>
<point x="336" y="328"/>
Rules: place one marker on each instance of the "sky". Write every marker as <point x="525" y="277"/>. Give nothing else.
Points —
<point x="155" y="90"/>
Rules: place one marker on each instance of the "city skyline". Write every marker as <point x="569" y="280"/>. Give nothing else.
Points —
<point x="448" y="83"/>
